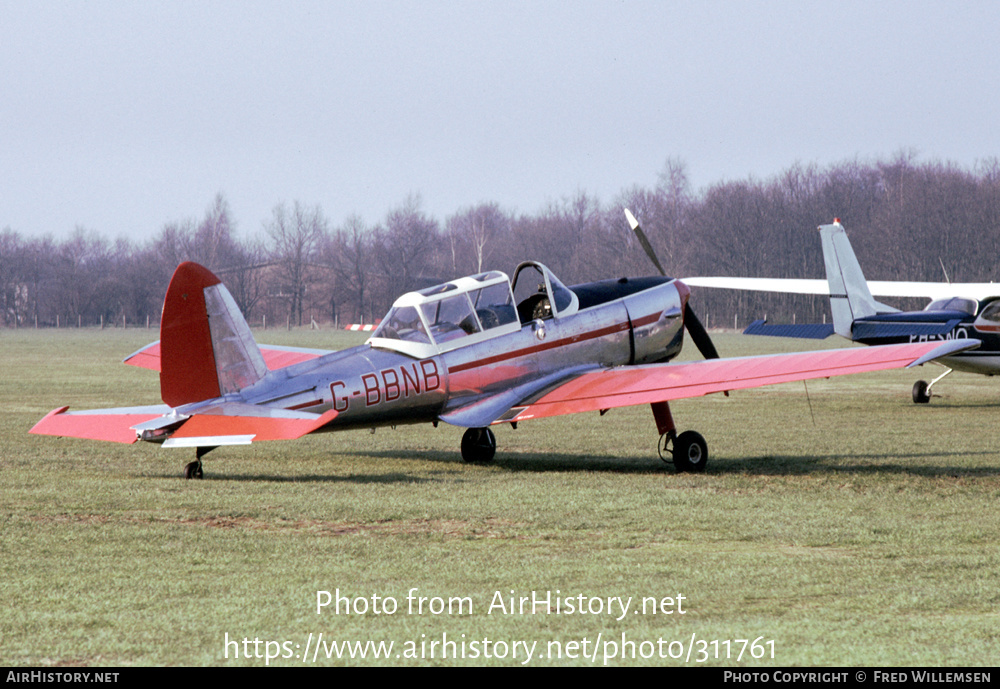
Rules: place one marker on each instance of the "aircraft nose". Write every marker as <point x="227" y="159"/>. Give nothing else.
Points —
<point x="694" y="327"/>
<point x="683" y="291"/>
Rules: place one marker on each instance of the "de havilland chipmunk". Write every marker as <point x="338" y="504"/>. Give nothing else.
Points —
<point x="473" y="352"/>
<point x="956" y="310"/>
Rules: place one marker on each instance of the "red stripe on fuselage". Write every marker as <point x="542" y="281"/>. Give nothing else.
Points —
<point x="582" y="337"/>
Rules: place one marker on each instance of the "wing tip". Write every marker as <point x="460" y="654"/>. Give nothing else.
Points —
<point x="39" y="427"/>
<point x="946" y="348"/>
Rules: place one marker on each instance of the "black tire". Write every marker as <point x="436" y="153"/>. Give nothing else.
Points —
<point x="690" y="452"/>
<point x="479" y="446"/>
<point x="920" y="394"/>
<point x="194" y="470"/>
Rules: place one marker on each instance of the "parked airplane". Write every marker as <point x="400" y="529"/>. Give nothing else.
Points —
<point x="957" y="310"/>
<point x="474" y="352"/>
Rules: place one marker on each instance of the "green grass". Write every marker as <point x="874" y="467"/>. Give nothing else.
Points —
<point x="850" y="526"/>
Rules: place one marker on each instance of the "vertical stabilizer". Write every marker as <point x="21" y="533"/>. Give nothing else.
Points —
<point x="850" y="297"/>
<point x="207" y="349"/>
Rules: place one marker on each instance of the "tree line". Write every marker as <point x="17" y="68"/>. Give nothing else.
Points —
<point x="907" y="220"/>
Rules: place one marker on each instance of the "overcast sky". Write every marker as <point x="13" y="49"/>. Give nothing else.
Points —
<point x="122" y="116"/>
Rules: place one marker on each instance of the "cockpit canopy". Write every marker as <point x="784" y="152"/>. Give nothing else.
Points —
<point x="989" y="317"/>
<point x="449" y="315"/>
<point x="539" y="294"/>
<point x="969" y="306"/>
<point x="472" y="309"/>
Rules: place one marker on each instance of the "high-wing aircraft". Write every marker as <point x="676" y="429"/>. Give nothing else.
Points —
<point x="956" y="310"/>
<point x="473" y="352"/>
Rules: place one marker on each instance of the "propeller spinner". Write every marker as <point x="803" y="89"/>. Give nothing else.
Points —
<point x="694" y="327"/>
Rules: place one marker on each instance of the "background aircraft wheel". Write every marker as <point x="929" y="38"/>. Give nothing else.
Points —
<point x="479" y="445"/>
<point x="690" y="452"/>
<point x="920" y="394"/>
<point x="194" y="470"/>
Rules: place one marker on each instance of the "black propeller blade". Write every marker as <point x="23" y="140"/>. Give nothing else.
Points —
<point x="646" y="246"/>
<point x="698" y="334"/>
<point x="694" y="327"/>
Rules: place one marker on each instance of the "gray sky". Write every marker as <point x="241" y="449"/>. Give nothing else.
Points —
<point x="123" y="116"/>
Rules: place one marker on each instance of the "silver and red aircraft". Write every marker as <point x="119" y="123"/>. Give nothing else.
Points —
<point x="474" y="352"/>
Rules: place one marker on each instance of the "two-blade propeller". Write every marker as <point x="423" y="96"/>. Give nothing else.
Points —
<point x="694" y="327"/>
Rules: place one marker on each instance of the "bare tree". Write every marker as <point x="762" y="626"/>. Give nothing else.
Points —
<point x="406" y="251"/>
<point x="348" y="254"/>
<point x="473" y="236"/>
<point x="295" y="237"/>
<point x="213" y="243"/>
<point x="13" y="287"/>
<point x="245" y="278"/>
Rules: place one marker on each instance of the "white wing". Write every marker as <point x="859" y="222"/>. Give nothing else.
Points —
<point x="879" y="288"/>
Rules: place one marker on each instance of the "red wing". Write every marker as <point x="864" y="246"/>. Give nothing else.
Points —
<point x="274" y="356"/>
<point x="629" y="385"/>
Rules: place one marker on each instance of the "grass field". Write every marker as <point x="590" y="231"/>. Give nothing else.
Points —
<point x="845" y="526"/>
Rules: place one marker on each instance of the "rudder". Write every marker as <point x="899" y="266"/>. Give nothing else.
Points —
<point x="207" y="349"/>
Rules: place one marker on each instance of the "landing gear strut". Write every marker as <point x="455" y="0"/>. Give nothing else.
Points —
<point x="688" y="451"/>
<point x="479" y="445"/>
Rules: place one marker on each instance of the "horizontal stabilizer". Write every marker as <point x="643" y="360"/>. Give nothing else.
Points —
<point x="111" y="425"/>
<point x="240" y="424"/>
<point x="147" y="357"/>
<point x="274" y="356"/>
<point x="808" y="331"/>
<point x="869" y="329"/>
<point x="281" y="357"/>
<point x="227" y="423"/>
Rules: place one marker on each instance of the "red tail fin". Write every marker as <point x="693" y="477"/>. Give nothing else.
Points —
<point x="187" y="366"/>
<point x="201" y="357"/>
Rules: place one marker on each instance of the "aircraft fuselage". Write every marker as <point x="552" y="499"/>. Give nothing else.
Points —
<point x="878" y="330"/>
<point x="369" y="386"/>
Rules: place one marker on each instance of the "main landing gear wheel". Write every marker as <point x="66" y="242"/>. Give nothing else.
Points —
<point x="921" y="392"/>
<point x="479" y="445"/>
<point x="689" y="451"/>
<point x="194" y="470"/>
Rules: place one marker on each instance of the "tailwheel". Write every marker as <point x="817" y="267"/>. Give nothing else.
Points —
<point x="479" y="445"/>
<point x="689" y="451"/>
<point x="194" y="470"/>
